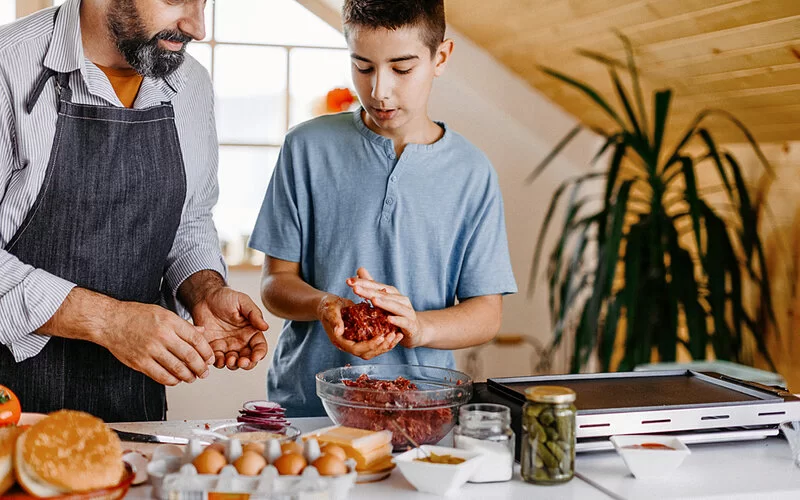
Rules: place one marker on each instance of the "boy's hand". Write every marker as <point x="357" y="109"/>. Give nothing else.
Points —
<point x="329" y="313"/>
<point x="392" y="301"/>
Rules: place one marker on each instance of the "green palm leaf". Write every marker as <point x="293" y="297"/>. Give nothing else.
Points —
<point x="649" y="207"/>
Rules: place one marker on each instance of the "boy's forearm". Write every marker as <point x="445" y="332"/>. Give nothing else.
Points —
<point x="472" y="322"/>
<point x="287" y="296"/>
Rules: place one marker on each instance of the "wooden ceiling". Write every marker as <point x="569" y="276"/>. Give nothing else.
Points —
<point x="739" y="55"/>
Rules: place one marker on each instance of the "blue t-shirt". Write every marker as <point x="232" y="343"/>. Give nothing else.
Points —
<point x="429" y="223"/>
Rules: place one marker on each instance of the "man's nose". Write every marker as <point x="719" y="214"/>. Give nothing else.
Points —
<point x="193" y="22"/>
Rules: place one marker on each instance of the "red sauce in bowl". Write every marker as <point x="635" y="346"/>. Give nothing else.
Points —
<point x="648" y="446"/>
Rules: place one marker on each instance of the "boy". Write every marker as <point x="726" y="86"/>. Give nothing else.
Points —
<point x="410" y="204"/>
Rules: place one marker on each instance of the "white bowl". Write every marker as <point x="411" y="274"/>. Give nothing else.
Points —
<point x="439" y="479"/>
<point x="649" y="463"/>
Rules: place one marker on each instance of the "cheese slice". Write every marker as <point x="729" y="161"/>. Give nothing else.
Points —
<point x="365" y="447"/>
<point x="358" y="439"/>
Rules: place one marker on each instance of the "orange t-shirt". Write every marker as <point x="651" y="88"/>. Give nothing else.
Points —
<point x="126" y="83"/>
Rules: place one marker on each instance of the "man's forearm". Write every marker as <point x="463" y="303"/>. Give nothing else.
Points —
<point x="472" y="322"/>
<point x="81" y="316"/>
<point x="287" y="296"/>
<point x="197" y="286"/>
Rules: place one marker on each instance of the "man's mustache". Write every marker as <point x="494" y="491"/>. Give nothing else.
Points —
<point x="174" y="36"/>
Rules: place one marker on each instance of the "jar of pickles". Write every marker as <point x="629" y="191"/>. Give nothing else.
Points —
<point x="548" y="440"/>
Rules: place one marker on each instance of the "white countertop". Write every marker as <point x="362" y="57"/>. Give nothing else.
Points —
<point x="756" y="469"/>
<point x="749" y="469"/>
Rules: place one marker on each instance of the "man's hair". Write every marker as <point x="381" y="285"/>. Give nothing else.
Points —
<point x="428" y="15"/>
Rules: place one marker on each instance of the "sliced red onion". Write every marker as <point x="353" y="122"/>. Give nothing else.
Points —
<point x="262" y="406"/>
<point x="276" y="425"/>
<point x="262" y="413"/>
<point x="263" y="419"/>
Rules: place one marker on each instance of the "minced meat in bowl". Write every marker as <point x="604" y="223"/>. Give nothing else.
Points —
<point x="423" y="400"/>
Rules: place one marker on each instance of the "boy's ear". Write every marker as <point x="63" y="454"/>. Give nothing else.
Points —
<point x="442" y="56"/>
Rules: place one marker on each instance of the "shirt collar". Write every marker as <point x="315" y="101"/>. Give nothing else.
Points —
<point x="65" y="55"/>
<point x="388" y="145"/>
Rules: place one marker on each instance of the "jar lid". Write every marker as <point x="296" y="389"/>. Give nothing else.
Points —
<point x="550" y="394"/>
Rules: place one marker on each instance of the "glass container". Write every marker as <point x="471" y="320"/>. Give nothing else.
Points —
<point x="486" y="428"/>
<point x="548" y="441"/>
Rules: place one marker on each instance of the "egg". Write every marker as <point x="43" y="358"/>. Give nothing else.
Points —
<point x="335" y="450"/>
<point x="290" y="464"/>
<point x="256" y="447"/>
<point x="209" y="462"/>
<point x="292" y="447"/>
<point x="330" y="465"/>
<point x="220" y="447"/>
<point x="250" y="463"/>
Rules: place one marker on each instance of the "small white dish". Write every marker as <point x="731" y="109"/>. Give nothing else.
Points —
<point x="650" y="462"/>
<point x="439" y="479"/>
<point x="791" y="430"/>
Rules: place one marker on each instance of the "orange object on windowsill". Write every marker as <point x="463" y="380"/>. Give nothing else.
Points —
<point x="339" y="99"/>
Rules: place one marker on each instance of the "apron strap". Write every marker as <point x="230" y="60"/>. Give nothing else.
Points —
<point x="37" y="89"/>
<point x="62" y="87"/>
<point x="63" y="91"/>
<point x="42" y="80"/>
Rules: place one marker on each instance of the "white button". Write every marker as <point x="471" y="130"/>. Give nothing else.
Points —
<point x="393" y="178"/>
<point x="389" y="201"/>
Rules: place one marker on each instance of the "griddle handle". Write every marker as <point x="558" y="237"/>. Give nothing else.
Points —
<point x="772" y="389"/>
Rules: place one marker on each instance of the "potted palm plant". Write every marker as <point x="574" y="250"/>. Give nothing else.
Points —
<point x="656" y="261"/>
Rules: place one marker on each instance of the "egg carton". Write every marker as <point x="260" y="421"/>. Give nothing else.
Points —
<point x="174" y="477"/>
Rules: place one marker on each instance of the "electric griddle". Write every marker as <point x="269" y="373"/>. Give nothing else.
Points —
<point x="698" y="407"/>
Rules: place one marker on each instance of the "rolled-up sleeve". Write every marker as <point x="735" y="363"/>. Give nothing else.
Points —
<point x="28" y="296"/>
<point x="196" y="247"/>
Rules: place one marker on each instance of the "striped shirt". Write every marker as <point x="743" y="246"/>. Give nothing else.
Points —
<point x="28" y="296"/>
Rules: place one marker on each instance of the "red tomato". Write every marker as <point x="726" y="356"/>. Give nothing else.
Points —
<point x="9" y="407"/>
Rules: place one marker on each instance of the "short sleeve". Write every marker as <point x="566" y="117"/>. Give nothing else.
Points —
<point x="278" y="229"/>
<point x="486" y="269"/>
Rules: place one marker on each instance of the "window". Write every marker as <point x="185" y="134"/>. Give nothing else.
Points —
<point x="272" y="63"/>
<point x="8" y="11"/>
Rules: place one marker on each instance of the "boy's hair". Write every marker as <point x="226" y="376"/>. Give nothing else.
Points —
<point x="428" y="15"/>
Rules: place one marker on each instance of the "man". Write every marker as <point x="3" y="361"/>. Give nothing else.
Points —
<point x="108" y="173"/>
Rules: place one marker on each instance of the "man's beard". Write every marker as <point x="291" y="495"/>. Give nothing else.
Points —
<point x="143" y="53"/>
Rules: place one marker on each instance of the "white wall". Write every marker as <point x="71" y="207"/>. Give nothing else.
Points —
<point x="516" y="127"/>
<point x="223" y="392"/>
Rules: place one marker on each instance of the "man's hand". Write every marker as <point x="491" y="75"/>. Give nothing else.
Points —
<point x="233" y="324"/>
<point x="145" y="337"/>
<point x="329" y="313"/>
<point x="234" y="328"/>
<point x="392" y="301"/>
<point x="158" y="343"/>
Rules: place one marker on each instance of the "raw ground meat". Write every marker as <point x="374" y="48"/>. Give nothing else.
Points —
<point x="403" y="406"/>
<point x="364" y="322"/>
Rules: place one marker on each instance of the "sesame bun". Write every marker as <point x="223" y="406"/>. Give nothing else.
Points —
<point x="8" y="436"/>
<point x="69" y="451"/>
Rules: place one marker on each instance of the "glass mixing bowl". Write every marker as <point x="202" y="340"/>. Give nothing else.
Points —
<point x="426" y="413"/>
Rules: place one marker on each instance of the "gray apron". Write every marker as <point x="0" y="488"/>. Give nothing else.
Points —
<point x="105" y="218"/>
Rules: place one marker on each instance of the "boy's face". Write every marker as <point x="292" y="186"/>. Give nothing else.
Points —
<point x="393" y="73"/>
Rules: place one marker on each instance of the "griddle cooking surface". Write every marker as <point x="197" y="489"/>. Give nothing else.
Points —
<point x="644" y="392"/>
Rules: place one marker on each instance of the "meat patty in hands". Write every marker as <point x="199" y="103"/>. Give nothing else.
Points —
<point x="364" y="322"/>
